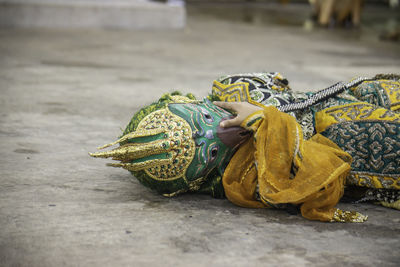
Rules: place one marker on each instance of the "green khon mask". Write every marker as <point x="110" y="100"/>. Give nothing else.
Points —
<point x="176" y="145"/>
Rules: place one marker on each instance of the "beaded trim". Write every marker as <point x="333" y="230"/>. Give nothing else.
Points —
<point x="323" y="95"/>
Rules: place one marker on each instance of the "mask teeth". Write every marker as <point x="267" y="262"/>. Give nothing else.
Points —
<point x="134" y="135"/>
<point x="129" y="152"/>
<point x="140" y="165"/>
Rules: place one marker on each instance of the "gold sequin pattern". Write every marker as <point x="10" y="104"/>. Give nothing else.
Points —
<point x="348" y="216"/>
<point x="179" y="144"/>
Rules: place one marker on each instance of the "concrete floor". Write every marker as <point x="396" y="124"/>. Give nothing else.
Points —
<point x="63" y="93"/>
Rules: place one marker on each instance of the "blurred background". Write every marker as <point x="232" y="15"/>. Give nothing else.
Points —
<point x="180" y="40"/>
<point x="381" y="15"/>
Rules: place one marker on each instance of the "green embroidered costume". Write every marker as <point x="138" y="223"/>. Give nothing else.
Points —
<point x="175" y="145"/>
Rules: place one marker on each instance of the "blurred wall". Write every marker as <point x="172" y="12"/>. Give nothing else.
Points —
<point x="126" y="14"/>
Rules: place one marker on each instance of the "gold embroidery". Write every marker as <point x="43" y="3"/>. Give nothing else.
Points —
<point x="235" y="92"/>
<point x="359" y="111"/>
<point x="175" y="143"/>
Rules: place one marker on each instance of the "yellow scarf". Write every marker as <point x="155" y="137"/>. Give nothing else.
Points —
<point x="286" y="168"/>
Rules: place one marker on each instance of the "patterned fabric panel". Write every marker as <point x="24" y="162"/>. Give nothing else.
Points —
<point x="375" y="151"/>
<point x="237" y="92"/>
<point x="371" y="136"/>
<point x="306" y="117"/>
<point x="384" y="93"/>
<point x="269" y="89"/>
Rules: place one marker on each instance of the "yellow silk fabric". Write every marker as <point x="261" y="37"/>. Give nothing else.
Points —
<point x="267" y="160"/>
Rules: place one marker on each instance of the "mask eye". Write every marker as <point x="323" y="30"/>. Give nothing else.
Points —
<point x="207" y="116"/>
<point x="214" y="153"/>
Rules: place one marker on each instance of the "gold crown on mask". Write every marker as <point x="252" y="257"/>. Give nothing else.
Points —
<point x="161" y="146"/>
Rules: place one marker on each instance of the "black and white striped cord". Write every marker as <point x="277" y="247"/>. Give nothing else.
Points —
<point x="323" y="95"/>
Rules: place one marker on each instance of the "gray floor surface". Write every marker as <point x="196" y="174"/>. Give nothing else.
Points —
<point x="63" y="93"/>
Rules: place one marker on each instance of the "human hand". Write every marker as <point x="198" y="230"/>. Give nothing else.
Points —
<point x="242" y="109"/>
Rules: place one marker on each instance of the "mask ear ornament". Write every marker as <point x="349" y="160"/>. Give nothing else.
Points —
<point x="160" y="146"/>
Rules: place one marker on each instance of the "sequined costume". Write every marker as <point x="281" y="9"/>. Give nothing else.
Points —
<point x="361" y="118"/>
<point x="301" y="157"/>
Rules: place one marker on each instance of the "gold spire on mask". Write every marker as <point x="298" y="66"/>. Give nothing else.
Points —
<point x="163" y="157"/>
<point x="133" y="135"/>
<point x="131" y="151"/>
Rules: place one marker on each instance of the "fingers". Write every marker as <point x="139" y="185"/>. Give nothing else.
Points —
<point x="231" y="106"/>
<point x="241" y="109"/>
<point x="230" y="123"/>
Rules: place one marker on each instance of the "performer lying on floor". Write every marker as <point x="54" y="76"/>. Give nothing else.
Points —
<point x="263" y="145"/>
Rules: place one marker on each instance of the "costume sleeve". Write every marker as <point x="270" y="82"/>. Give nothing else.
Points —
<point x="288" y="169"/>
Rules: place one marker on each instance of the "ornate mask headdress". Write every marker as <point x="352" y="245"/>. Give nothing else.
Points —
<point x="175" y="145"/>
